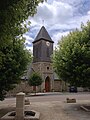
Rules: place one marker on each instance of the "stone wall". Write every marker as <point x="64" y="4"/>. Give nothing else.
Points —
<point x="57" y="86"/>
<point x="22" y="87"/>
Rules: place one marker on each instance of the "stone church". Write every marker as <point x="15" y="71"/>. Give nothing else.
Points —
<point x="42" y="52"/>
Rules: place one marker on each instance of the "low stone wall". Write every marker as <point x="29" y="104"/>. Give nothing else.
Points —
<point x="22" y="87"/>
<point x="57" y="86"/>
<point x="60" y="86"/>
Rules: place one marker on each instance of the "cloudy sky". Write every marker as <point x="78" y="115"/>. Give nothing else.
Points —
<point x="59" y="18"/>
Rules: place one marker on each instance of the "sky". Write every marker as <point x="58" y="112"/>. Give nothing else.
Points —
<point x="59" y="18"/>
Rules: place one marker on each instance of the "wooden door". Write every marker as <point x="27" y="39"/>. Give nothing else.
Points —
<point x="47" y="84"/>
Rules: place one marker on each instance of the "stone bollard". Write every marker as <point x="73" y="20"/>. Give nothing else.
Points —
<point x="20" y="101"/>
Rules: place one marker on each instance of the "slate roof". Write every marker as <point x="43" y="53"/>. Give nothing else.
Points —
<point x="43" y="34"/>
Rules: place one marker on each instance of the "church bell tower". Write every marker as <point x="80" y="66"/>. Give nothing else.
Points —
<point x="42" y="51"/>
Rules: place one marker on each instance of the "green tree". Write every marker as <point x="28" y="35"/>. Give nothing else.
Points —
<point x="14" y="60"/>
<point x="35" y="80"/>
<point x="13" y="55"/>
<point x="12" y="14"/>
<point x="71" y="59"/>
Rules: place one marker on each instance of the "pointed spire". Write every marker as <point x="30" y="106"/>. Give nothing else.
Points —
<point x="43" y="34"/>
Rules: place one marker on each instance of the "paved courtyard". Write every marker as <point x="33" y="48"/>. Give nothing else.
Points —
<point x="52" y="106"/>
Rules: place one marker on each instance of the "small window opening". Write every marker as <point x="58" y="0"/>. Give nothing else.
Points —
<point x="47" y="68"/>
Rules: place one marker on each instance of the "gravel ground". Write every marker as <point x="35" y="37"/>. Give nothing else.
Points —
<point x="60" y="111"/>
<point x="54" y="108"/>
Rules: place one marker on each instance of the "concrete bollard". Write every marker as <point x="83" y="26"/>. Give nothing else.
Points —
<point x="20" y="101"/>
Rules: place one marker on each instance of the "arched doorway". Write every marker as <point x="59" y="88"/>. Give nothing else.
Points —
<point x="47" y="84"/>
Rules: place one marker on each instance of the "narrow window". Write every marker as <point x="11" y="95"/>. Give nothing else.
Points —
<point x="47" y="52"/>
